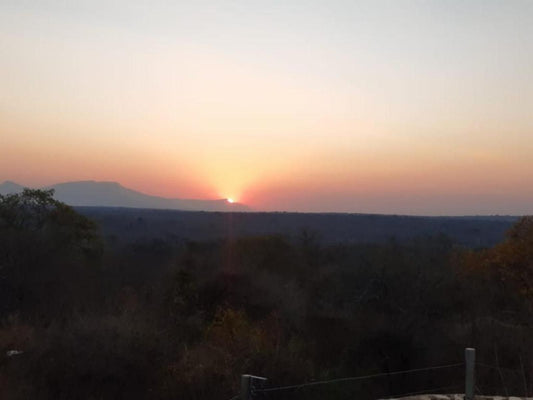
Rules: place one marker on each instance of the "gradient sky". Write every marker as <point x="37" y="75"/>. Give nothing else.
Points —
<point x="411" y="107"/>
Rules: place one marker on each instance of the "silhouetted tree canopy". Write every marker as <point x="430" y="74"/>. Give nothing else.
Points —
<point x="510" y="261"/>
<point x="36" y="212"/>
<point x="43" y="243"/>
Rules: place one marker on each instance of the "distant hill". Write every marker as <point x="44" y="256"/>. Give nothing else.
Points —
<point x="131" y="216"/>
<point x="112" y="194"/>
<point x="9" y="187"/>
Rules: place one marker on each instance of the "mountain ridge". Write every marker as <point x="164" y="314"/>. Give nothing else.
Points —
<point x="112" y="194"/>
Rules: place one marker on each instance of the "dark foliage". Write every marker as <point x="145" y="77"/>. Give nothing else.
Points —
<point x="175" y="319"/>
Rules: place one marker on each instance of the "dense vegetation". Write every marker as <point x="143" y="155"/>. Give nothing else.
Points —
<point x="163" y="319"/>
<point x="130" y="224"/>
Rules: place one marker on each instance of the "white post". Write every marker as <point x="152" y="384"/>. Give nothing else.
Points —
<point x="470" y="362"/>
<point x="249" y="383"/>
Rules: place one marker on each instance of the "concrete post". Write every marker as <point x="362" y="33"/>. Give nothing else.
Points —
<point x="470" y="363"/>
<point x="248" y="384"/>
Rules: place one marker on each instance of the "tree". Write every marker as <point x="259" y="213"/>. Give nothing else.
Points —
<point x="44" y="243"/>
<point x="511" y="262"/>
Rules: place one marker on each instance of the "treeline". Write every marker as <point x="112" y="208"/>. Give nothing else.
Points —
<point x="102" y="319"/>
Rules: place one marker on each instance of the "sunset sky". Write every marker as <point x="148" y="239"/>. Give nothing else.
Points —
<point x="410" y="107"/>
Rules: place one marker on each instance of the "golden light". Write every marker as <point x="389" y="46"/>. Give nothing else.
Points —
<point x="230" y="200"/>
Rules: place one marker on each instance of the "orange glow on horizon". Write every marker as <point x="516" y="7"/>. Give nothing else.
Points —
<point x="308" y="120"/>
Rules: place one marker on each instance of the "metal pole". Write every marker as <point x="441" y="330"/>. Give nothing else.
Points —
<point x="470" y="362"/>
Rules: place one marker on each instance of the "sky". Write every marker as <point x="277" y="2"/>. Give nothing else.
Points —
<point x="394" y="107"/>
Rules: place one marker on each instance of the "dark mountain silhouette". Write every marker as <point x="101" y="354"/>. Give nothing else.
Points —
<point x="112" y="194"/>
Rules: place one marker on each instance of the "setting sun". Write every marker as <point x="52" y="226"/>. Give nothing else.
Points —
<point x="191" y="100"/>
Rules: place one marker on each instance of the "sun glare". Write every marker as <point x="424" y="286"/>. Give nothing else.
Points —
<point x="230" y="200"/>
